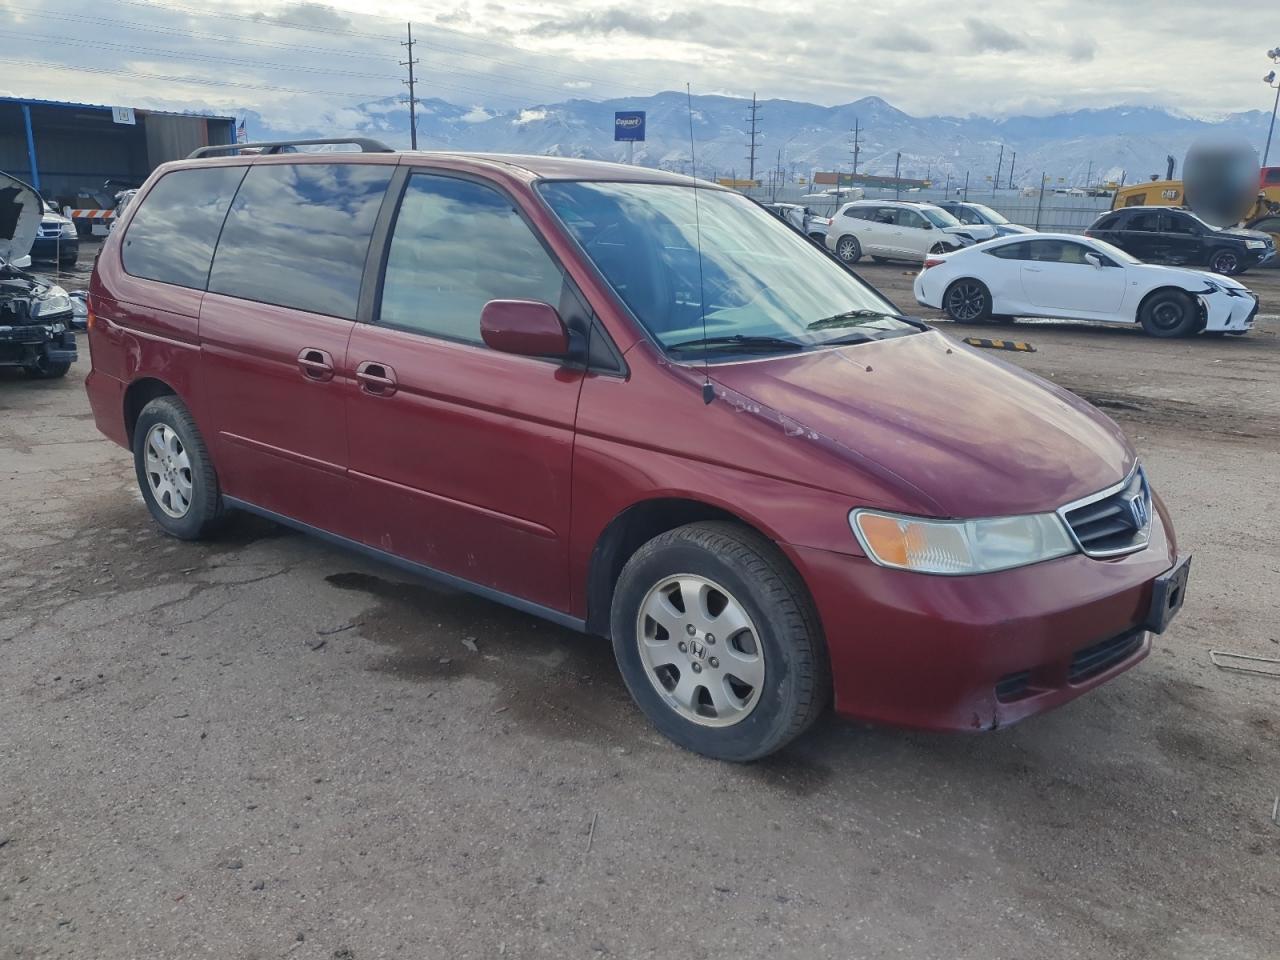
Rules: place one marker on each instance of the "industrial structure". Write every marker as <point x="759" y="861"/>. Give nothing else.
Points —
<point x="79" y="155"/>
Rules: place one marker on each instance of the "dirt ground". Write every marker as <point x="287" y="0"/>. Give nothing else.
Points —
<point x="264" y="747"/>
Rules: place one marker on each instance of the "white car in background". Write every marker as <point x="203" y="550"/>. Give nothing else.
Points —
<point x="1078" y="278"/>
<point x="898" y="230"/>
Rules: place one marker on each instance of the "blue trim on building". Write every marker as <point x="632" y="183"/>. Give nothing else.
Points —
<point x="31" y="147"/>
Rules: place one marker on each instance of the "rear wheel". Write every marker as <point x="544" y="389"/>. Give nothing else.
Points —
<point x="174" y="470"/>
<point x="1225" y="262"/>
<point x="848" y="250"/>
<point x="967" y="301"/>
<point x="718" y="641"/>
<point x="1169" y="313"/>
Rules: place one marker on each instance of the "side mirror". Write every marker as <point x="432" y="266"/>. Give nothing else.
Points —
<point x="1095" y="260"/>
<point x="928" y="225"/>
<point x="524" y="327"/>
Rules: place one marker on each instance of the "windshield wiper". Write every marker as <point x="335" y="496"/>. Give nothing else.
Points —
<point x="852" y="318"/>
<point x="738" y="341"/>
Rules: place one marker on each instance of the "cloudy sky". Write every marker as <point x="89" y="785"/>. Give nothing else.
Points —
<point x="294" y="62"/>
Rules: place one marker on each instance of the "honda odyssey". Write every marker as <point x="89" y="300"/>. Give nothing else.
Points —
<point x="636" y="405"/>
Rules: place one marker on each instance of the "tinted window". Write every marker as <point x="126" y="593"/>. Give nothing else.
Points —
<point x="297" y="235"/>
<point x="1012" y="251"/>
<point x="886" y="215"/>
<point x="965" y="215"/>
<point x="858" y="213"/>
<point x="1270" y="225"/>
<point x="1177" y="223"/>
<point x="172" y="235"/>
<point x="1056" y="251"/>
<point x="1146" y="222"/>
<point x="1108" y="222"/>
<point x="456" y="246"/>
<point x="1272" y="175"/>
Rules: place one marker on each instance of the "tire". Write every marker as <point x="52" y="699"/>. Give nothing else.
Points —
<point x="197" y="512"/>
<point x="848" y="249"/>
<point x="967" y="301"/>
<point x="774" y="681"/>
<point x="1169" y="313"/>
<point x="1226" y="262"/>
<point x="43" y="369"/>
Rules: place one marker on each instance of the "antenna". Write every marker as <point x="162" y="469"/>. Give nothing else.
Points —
<point x="708" y="391"/>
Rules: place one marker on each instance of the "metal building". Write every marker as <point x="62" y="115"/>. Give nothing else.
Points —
<point x="80" y="154"/>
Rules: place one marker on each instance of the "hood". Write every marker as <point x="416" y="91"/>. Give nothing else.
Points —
<point x="979" y="231"/>
<point x="1191" y="276"/>
<point x="1009" y="229"/>
<point x="975" y="435"/>
<point x="1245" y="234"/>
<point x="20" y="213"/>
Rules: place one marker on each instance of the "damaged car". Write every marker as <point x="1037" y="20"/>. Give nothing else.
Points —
<point x="35" y="317"/>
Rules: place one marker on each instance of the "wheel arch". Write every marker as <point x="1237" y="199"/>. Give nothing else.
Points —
<point x="1201" y="311"/>
<point x="636" y="525"/>
<point x="137" y="395"/>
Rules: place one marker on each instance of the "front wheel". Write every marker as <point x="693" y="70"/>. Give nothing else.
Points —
<point x="1169" y="313"/>
<point x="848" y="250"/>
<point x="1225" y="262"/>
<point x="967" y="301"/>
<point x="718" y="641"/>
<point x="175" y="471"/>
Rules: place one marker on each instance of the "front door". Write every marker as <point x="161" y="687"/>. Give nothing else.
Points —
<point x="274" y="327"/>
<point x="1057" y="277"/>
<point x="915" y="233"/>
<point x="460" y="455"/>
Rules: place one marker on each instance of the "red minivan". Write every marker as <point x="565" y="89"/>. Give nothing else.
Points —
<point x="635" y="407"/>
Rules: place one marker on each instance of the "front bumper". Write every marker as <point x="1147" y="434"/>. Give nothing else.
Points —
<point x="55" y="248"/>
<point x="980" y="652"/>
<point x="24" y="344"/>
<point x="1232" y="314"/>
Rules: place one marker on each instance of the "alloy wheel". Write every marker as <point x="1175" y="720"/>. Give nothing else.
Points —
<point x="846" y="249"/>
<point x="966" y="301"/>
<point x="168" y="470"/>
<point x="700" y="650"/>
<point x="1225" y="263"/>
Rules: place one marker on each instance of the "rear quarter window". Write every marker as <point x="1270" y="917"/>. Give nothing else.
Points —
<point x="298" y="234"/>
<point x="1108" y="222"/>
<point x="172" y="234"/>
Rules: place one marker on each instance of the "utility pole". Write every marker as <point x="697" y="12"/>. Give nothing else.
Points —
<point x="1011" y="163"/>
<point x="753" y="119"/>
<point x="995" y="184"/>
<point x="966" y="186"/>
<point x="1088" y="177"/>
<point x="897" y="184"/>
<point x="413" y="96"/>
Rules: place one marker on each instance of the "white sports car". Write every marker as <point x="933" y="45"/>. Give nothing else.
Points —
<point x="1079" y="278"/>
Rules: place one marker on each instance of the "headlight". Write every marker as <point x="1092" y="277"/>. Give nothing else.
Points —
<point x="69" y="231"/>
<point x="1211" y="287"/>
<point x="955" y="547"/>
<point x="55" y="301"/>
<point x="1255" y="244"/>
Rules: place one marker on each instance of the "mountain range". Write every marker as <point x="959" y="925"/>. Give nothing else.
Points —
<point x="1092" y="144"/>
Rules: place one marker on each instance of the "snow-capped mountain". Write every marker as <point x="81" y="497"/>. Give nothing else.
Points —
<point x="803" y="137"/>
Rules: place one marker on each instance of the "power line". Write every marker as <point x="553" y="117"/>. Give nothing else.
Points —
<point x="751" y="157"/>
<point x="413" y="98"/>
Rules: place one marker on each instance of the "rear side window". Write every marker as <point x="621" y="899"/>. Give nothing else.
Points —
<point x="1012" y="251"/>
<point x="1145" y="222"/>
<point x="1108" y="222"/>
<point x="297" y="235"/>
<point x="456" y="246"/>
<point x="172" y="235"/>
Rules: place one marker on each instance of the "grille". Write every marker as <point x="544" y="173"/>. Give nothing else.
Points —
<point x="49" y="233"/>
<point x="1013" y="686"/>
<point x="1114" y="522"/>
<point x="1094" y="660"/>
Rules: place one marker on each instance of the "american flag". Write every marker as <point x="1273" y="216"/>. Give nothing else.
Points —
<point x="242" y="133"/>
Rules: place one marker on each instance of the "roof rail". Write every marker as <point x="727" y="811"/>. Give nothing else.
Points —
<point x="280" y="146"/>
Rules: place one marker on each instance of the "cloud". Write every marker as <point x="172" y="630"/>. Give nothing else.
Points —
<point x="623" y="20"/>
<point x="905" y="40"/>
<point x="529" y="116"/>
<point x="476" y="115"/>
<point x="318" y="15"/>
<point x="991" y="36"/>
<point x="1081" y="49"/>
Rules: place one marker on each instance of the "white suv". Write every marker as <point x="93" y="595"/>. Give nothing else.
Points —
<point x="898" y="230"/>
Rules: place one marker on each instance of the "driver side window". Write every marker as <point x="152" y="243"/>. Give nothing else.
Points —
<point x="457" y="245"/>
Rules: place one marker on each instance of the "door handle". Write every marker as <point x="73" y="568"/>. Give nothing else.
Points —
<point x="315" y="364"/>
<point x="1032" y="269"/>
<point x="376" y="379"/>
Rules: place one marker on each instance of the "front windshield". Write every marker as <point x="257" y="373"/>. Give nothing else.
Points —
<point x="987" y="214"/>
<point x="939" y="217"/>
<point x="767" y="289"/>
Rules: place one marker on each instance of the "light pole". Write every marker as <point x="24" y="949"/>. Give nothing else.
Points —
<point x="1270" y="80"/>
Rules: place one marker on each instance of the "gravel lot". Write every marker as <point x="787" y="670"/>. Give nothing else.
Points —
<point x="263" y="747"/>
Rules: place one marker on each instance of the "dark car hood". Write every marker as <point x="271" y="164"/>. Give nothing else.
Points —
<point x="1244" y="233"/>
<point x="972" y="434"/>
<point x="20" y="213"/>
